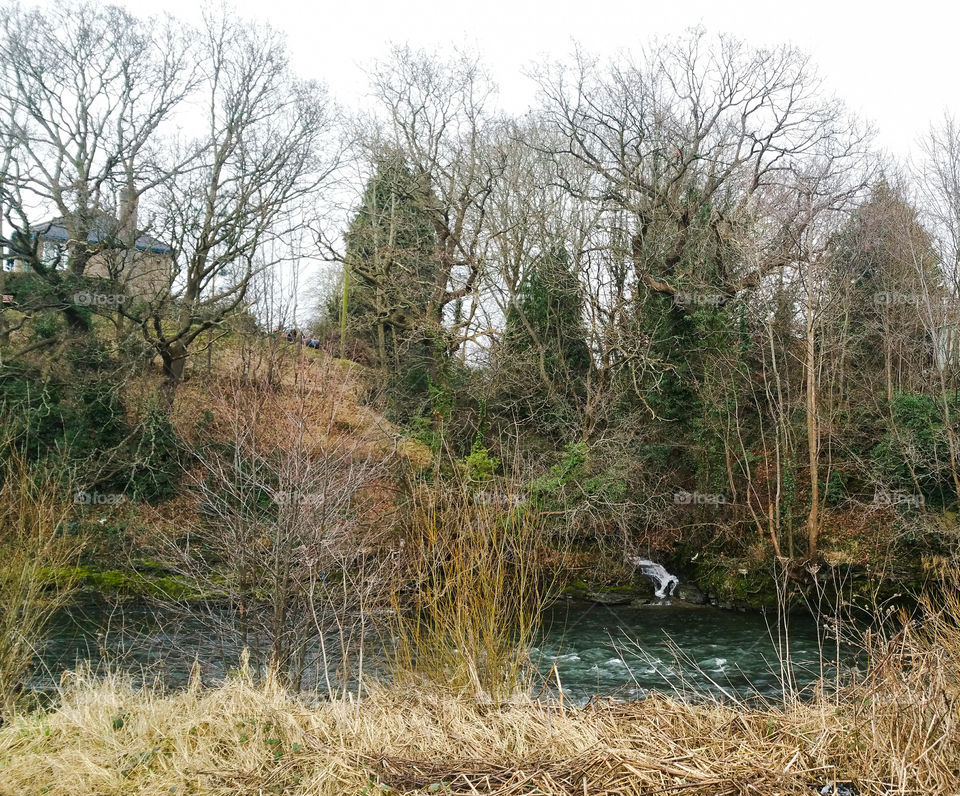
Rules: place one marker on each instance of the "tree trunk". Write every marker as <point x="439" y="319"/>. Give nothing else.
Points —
<point x="813" y="438"/>
<point x="174" y="359"/>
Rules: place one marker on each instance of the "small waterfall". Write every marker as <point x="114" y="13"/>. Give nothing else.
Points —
<point x="664" y="583"/>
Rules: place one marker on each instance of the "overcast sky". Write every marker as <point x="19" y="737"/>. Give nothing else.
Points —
<point x="897" y="64"/>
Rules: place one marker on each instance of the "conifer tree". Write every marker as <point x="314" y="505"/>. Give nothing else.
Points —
<point x="390" y="276"/>
<point x="544" y="344"/>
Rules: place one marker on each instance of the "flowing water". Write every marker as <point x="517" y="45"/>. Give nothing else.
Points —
<point x="594" y="650"/>
<point x="625" y="651"/>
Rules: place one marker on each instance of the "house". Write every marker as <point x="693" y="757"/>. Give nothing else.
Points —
<point x="120" y="252"/>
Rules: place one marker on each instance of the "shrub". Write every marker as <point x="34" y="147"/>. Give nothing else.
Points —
<point x="476" y="565"/>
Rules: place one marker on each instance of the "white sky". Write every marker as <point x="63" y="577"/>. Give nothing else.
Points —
<point x="896" y="64"/>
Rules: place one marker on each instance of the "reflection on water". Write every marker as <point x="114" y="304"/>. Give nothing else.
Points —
<point x="595" y="650"/>
<point x="162" y="646"/>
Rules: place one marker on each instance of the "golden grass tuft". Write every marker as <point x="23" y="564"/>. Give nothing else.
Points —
<point x="479" y="588"/>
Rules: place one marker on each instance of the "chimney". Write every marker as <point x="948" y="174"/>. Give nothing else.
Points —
<point x="127" y="230"/>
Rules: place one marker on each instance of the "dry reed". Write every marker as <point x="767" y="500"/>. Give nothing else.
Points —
<point x="34" y="559"/>
<point x="895" y="731"/>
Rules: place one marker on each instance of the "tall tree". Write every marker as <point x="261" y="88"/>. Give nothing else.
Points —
<point x="390" y="271"/>
<point x="437" y="114"/>
<point x="543" y="360"/>
<point x="83" y="105"/>
<point x="266" y="152"/>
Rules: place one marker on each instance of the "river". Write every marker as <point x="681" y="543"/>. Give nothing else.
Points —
<point x="594" y="650"/>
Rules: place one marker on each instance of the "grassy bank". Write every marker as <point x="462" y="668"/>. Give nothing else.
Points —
<point x="897" y="731"/>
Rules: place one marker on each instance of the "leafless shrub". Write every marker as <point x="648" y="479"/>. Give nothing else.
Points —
<point x="291" y="555"/>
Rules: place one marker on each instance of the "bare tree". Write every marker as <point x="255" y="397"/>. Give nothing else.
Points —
<point x="83" y="105"/>
<point x="683" y="143"/>
<point x="938" y="177"/>
<point x="267" y="150"/>
<point x="438" y="117"/>
<point x="293" y="550"/>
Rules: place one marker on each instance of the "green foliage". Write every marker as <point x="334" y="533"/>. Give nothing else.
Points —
<point x="548" y="313"/>
<point x="549" y="492"/>
<point x="50" y="417"/>
<point x="735" y="580"/>
<point x="31" y="293"/>
<point x="656" y="456"/>
<point x="389" y="283"/>
<point x="914" y="450"/>
<point x="480" y="466"/>
<point x="835" y="489"/>
<point x="543" y="360"/>
<point x="156" y="457"/>
<point x="46" y="327"/>
<point x="577" y="486"/>
<point x="75" y="416"/>
<point x="423" y="429"/>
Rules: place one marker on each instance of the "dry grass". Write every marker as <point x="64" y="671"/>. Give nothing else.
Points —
<point x="896" y="732"/>
<point x="322" y="393"/>
<point x="336" y="388"/>
<point x="34" y="503"/>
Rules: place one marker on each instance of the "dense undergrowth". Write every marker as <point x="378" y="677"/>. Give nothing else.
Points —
<point x="478" y="562"/>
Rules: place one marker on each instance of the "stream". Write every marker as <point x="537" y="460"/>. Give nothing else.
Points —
<point x="625" y="651"/>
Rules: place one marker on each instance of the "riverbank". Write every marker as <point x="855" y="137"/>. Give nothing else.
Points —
<point x="750" y="584"/>
<point x="728" y="586"/>
<point x="896" y="732"/>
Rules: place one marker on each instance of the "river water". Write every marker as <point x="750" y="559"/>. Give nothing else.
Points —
<point x="625" y="651"/>
<point x="594" y="650"/>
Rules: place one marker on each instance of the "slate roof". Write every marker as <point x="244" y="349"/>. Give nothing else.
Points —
<point x="102" y="229"/>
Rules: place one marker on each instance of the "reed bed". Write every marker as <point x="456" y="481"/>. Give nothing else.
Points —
<point x="896" y="731"/>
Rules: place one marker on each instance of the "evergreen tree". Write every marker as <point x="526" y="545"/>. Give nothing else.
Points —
<point x="887" y="288"/>
<point x="885" y="320"/>
<point x="390" y="278"/>
<point x="544" y="346"/>
<point x="697" y="336"/>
